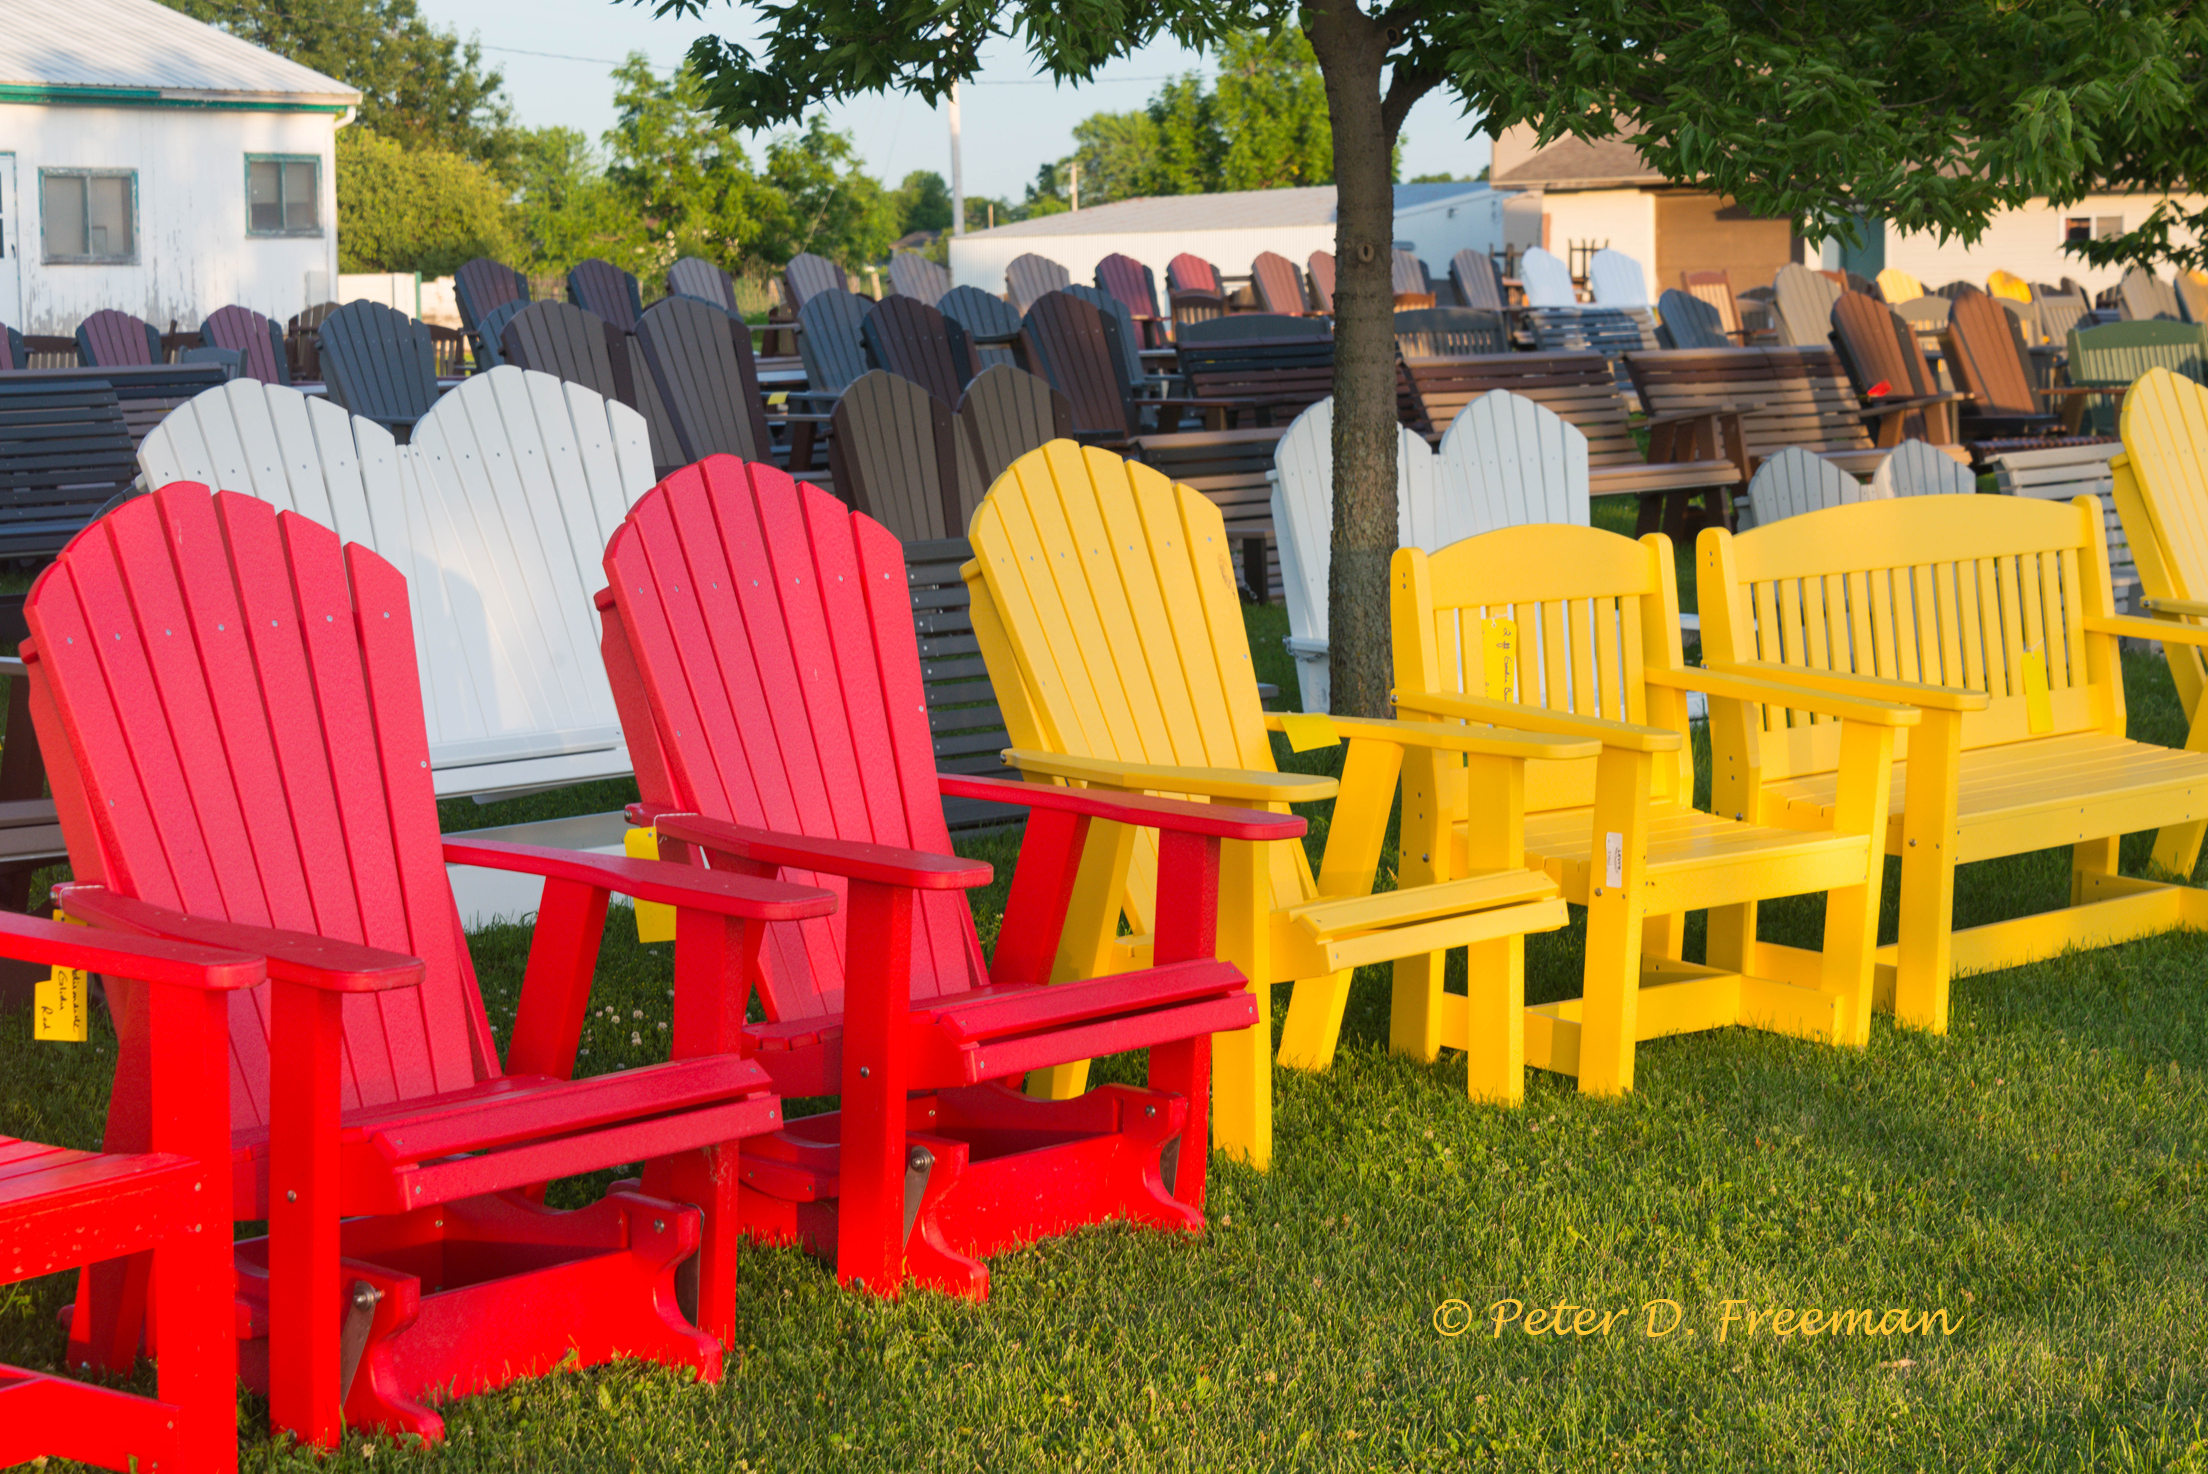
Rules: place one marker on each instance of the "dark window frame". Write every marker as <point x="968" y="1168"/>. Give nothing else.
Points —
<point x="48" y="257"/>
<point x="287" y="232"/>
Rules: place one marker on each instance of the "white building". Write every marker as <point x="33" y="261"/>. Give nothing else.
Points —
<point x="154" y="164"/>
<point x="1591" y="195"/>
<point x="1230" y="230"/>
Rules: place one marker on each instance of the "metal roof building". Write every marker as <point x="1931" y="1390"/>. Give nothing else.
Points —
<point x="152" y="163"/>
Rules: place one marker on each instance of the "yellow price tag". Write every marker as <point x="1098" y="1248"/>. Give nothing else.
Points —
<point x="776" y="401"/>
<point x="1308" y="729"/>
<point x="655" y="921"/>
<point x="59" y="1006"/>
<point x="1499" y="653"/>
<point x="2039" y="708"/>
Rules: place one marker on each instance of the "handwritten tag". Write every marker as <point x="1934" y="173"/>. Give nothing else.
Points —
<point x="1499" y="654"/>
<point x="2039" y="707"/>
<point x="1880" y="389"/>
<point x="655" y="922"/>
<point x="59" y="1006"/>
<point x="1308" y="729"/>
<point x="776" y="401"/>
<point x="1613" y="859"/>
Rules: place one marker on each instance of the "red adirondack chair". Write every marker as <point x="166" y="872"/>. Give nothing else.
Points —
<point x="62" y="1209"/>
<point x="232" y="769"/>
<point x="1131" y="282"/>
<point x="1321" y="276"/>
<point x="1188" y="272"/>
<point x="242" y="330"/>
<point x="759" y="638"/>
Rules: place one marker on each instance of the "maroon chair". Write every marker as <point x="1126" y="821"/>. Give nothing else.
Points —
<point x="1133" y="283"/>
<point x="1279" y="285"/>
<point x="242" y="330"/>
<point x="1320" y="273"/>
<point x="111" y="339"/>
<point x="1190" y="273"/>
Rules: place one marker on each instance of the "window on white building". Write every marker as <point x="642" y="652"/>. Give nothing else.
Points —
<point x="283" y="194"/>
<point x="89" y="215"/>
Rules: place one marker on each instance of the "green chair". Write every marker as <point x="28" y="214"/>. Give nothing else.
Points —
<point x="2115" y="354"/>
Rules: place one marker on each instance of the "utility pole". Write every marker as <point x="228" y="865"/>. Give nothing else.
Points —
<point x="1077" y="185"/>
<point x="958" y="172"/>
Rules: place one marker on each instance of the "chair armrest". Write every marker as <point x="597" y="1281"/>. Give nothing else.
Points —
<point x="2147" y="629"/>
<point x="293" y="957"/>
<point x="1248" y="785"/>
<point x="1448" y="737"/>
<point x="1873" y="688"/>
<point x="879" y="863"/>
<point x="650" y="880"/>
<point x="1729" y="687"/>
<point x="2190" y="608"/>
<point x="1169" y="815"/>
<point x="1594" y="733"/>
<point x="179" y="964"/>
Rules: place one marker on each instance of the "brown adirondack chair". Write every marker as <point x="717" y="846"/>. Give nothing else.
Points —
<point x="906" y="336"/>
<point x="807" y="276"/>
<point x="2005" y="412"/>
<point x="1132" y="283"/>
<point x="1027" y="278"/>
<point x="569" y="343"/>
<point x="276" y="799"/>
<point x="111" y="339"/>
<point x="244" y="331"/>
<point x="1279" y="285"/>
<point x="899" y="455"/>
<point x="1407" y="274"/>
<point x="1716" y="288"/>
<point x="1188" y="272"/>
<point x="1477" y="281"/>
<point x="700" y="361"/>
<point x="1190" y="306"/>
<point x="1007" y="412"/>
<point x="1319" y="271"/>
<point x="1890" y="369"/>
<point x="302" y="345"/>
<point x="605" y="289"/>
<point x="1062" y="339"/>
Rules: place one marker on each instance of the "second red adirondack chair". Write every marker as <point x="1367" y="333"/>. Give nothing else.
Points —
<point x="232" y="722"/>
<point x="759" y="638"/>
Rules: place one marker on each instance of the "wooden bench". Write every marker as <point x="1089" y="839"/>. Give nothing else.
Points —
<point x="1684" y="453"/>
<point x="65" y="452"/>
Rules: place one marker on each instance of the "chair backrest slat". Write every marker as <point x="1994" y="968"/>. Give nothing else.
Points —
<point x="1546" y="280"/>
<point x="1005" y="413"/>
<point x="1617" y="280"/>
<point x="111" y="339"/>
<point x="1804" y="301"/>
<point x="1987" y="361"/>
<point x="1319" y="271"/>
<point x="1917" y="469"/>
<point x="1691" y="322"/>
<point x="1477" y="280"/>
<point x="807" y="276"/>
<point x="1063" y="339"/>
<point x="700" y="360"/>
<point x="2148" y="298"/>
<point x="1508" y="460"/>
<point x="1795" y="481"/>
<point x="484" y="285"/>
<point x="1188" y="272"/>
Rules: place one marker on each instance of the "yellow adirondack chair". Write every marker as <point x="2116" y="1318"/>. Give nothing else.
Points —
<point x="2161" y="490"/>
<point x="1594" y="620"/>
<point x="2008" y="284"/>
<point x="1104" y="603"/>
<point x="1999" y="627"/>
<point x="1899" y="286"/>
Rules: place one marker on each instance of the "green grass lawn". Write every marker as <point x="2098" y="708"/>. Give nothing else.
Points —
<point x="2040" y="1174"/>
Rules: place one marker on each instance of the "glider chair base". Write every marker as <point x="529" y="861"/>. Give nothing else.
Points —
<point x="434" y="1309"/>
<point x="986" y="1169"/>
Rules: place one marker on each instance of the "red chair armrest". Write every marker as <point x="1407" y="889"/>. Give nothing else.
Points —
<point x="650" y="880"/>
<point x="1171" y="815"/>
<point x="879" y="863"/>
<point x="152" y="960"/>
<point x="293" y="957"/>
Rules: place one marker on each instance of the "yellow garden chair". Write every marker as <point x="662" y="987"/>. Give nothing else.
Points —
<point x="1104" y="603"/>
<point x="2008" y="284"/>
<point x="1898" y="286"/>
<point x="1998" y="626"/>
<point x="1592" y="621"/>
<point x="2161" y="490"/>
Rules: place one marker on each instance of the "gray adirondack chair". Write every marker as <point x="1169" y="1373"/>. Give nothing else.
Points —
<point x="1029" y="277"/>
<point x="1804" y="304"/>
<point x="914" y="275"/>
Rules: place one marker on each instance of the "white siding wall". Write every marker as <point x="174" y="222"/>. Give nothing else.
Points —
<point x="2027" y="241"/>
<point x="1622" y="219"/>
<point x="193" y="251"/>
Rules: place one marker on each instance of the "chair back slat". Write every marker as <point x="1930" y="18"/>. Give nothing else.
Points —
<point x="701" y="364"/>
<point x="1319" y="271"/>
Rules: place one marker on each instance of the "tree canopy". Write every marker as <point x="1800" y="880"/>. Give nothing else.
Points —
<point x="414" y="209"/>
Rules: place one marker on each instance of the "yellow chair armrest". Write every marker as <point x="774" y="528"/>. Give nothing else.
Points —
<point x="1242" y="785"/>
<point x="1849" y="683"/>
<point x="1729" y="687"/>
<point x="1623" y="735"/>
<point x="2191" y="608"/>
<point x="2147" y="629"/>
<point x="1451" y="738"/>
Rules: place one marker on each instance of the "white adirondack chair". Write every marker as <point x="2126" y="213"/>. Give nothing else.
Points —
<point x="1545" y="279"/>
<point x="1619" y="284"/>
<point x="1794" y="481"/>
<point x="1916" y="469"/>
<point x="498" y="512"/>
<point x="1303" y="525"/>
<point x="1507" y="461"/>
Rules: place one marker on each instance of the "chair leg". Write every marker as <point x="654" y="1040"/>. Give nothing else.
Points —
<point x="2091" y="857"/>
<point x="303" y="1274"/>
<point x="1242" y="1062"/>
<point x="1495" y="1011"/>
<point x="1609" y="1003"/>
<point x="1924" y="957"/>
<point x="1184" y="1067"/>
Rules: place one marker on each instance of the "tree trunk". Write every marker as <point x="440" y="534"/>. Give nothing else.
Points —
<point x="1352" y="49"/>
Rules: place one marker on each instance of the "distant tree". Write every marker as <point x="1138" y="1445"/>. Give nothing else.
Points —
<point x="1051" y="193"/>
<point x="1270" y="106"/>
<point x="1115" y="152"/>
<point x="402" y="208"/>
<point x="923" y="202"/>
<point x="817" y="199"/>
<point x="420" y="87"/>
<point x="564" y="207"/>
<point x="1186" y="143"/>
<point x="683" y="178"/>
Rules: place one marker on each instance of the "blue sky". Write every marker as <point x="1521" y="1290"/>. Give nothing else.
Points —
<point x="556" y="55"/>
